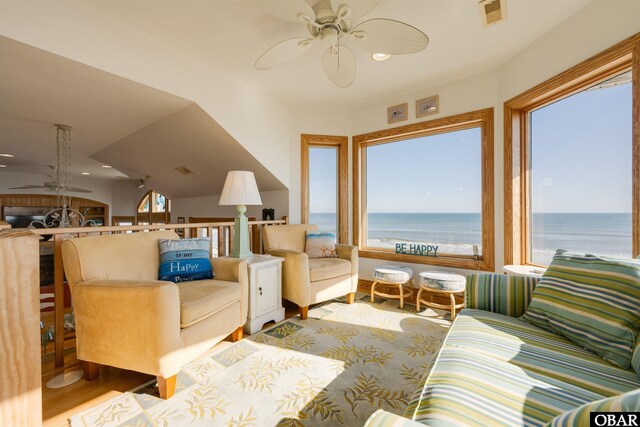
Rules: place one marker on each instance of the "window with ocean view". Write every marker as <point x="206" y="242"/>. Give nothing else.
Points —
<point x="571" y="161"/>
<point x="323" y="188"/>
<point x="324" y="183"/>
<point x="581" y="173"/>
<point x="433" y="195"/>
<point x="427" y="185"/>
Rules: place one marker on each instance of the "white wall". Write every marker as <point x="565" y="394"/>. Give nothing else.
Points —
<point x="208" y="206"/>
<point x="125" y="197"/>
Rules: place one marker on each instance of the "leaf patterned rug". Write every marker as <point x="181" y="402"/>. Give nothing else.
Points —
<point x="335" y="368"/>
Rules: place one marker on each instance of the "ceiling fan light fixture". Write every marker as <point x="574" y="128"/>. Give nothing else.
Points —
<point x="380" y="57"/>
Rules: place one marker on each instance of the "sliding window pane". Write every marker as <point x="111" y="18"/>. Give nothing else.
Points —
<point x="581" y="173"/>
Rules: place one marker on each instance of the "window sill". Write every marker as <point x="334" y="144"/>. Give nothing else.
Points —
<point x="451" y="261"/>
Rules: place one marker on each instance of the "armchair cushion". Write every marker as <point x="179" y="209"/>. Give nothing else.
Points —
<point x="200" y="299"/>
<point x="320" y="244"/>
<point x="182" y="260"/>
<point x="328" y="268"/>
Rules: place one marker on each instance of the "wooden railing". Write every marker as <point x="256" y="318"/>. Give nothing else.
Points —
<point x="221" y="246"/>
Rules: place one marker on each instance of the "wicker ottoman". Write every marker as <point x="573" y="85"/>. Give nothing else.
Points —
<point x="433" y="283"/>
<point x="396" y="276"/>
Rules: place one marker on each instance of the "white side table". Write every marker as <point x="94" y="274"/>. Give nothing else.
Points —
<point x="265" y="292"/>
<point x="524" y="270"/>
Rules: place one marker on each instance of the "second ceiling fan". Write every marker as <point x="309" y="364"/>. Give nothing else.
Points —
<point x="330" y="21"/>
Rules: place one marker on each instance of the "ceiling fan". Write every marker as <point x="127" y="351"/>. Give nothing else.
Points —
<point x="52" y="185"/>
<point x="330" y="22"/>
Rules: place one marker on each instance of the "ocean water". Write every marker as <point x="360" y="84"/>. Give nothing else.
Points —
<point x="456" y="233"/>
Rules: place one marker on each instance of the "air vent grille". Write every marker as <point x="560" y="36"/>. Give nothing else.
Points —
<point x="184" y="170"/>
<point x="492" y="11"/>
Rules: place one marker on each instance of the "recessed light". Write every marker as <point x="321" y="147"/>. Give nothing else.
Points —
<point x="6" y="155"/>
<point x="106" y="166"/>
<point x="85" y="173"/>
<point x="379" y="57"/>
<point x="3" y="166"/>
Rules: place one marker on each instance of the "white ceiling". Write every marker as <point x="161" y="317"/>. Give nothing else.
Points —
<point x="39" y="89"/>
<point x="231" y="34"/>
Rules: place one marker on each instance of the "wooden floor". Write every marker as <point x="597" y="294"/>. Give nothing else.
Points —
<point x="60" y="404"/>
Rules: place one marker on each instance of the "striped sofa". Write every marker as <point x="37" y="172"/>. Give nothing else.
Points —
<point x="496" y="370"/>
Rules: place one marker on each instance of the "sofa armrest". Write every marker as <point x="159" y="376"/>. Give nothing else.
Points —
<point x="350" y="253"/>
<point x="234" y="270"/>
<point x="129" y="323"/>
<point x="500" y="293"/>
<point x="382" y="418"/>
<point x="295" y="276"/>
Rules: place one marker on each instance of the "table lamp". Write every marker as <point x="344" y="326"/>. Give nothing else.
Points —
<point x="240" y="189"/>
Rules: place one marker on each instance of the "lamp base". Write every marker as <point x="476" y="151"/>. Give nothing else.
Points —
<point x="240" y="247"/>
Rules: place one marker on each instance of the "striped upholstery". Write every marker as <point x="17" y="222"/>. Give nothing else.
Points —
<point x="381" y="418"/>
<point x="593" y="301"/>
<point x="499" y="293"/>
<point x="635" y="357"/>
<point x="498" y="370"/>
<point x="628" y="402"/>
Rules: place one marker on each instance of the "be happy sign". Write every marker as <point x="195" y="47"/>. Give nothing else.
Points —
<point x="416" y="249"/>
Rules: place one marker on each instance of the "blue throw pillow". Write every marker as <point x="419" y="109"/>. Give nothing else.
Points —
<point x="183" y="260"/>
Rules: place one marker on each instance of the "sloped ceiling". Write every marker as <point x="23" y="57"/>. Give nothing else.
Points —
<point x="189" y="138"/>
<point x="135" y="129"/>
<point x="39" y="89"/>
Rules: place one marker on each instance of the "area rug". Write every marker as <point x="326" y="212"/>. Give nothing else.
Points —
<point x="335" y="368"/>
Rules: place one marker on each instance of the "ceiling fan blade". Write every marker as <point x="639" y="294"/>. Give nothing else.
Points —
<point x="25" y="187"/>
<point x="339" y="65"/>
<point x="283" y="52"/>
<point x="290" y="10"/>
<point x="357" y="8"/>
<point x="78" y="190"/>
<point x="388" y="36"/>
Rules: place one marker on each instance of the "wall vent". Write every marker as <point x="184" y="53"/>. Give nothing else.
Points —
<point x="492" y="11"/>
<point x="184" y="170"/>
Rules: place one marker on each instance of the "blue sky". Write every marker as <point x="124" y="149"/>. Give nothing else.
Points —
<point x="581" y="153"/>
<point x="581" y="163"/>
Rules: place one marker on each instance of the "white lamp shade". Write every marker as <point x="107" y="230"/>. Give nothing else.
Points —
<point x="240" y="189"/>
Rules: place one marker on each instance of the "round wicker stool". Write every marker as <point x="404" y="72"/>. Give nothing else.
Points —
<point x="396" y="276"/>
<point x="432" y="283"/>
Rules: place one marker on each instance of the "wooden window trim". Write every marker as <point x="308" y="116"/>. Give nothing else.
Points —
<point x="616" y="59"/>
<point x="341" y="143"/>
<point x="483" y="118"/>
<point x="153" y="216"/>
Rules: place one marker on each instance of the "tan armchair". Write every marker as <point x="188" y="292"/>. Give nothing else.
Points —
<point x="127" y="318"/>
<point x="305" y="280"/>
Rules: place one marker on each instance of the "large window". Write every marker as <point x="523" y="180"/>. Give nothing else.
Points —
<point x="569" y="168"/>
<point x="324" y="183"/>
<point x="427" y="185"/>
